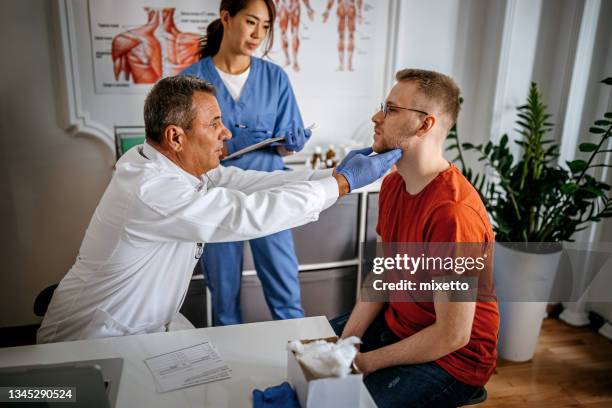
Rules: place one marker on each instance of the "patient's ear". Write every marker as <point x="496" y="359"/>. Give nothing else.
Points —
<point x="426" y="126"/>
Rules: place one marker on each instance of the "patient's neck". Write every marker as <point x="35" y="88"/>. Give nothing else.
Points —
<point x="418" y="170"/>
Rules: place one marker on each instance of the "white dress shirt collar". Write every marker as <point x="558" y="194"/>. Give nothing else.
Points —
<point x="156" y="156"/>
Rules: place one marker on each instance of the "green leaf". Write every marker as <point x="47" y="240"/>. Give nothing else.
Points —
<point x="607" y="81"/>
<point x="467" y="146"/>
<point x="603" y="123"/>
<point x="577" y="166"/>
<point x="596" y="130"/>
<point x="608" y="115"/>
<point x="569" y="188"/>
<point x="594" y="190"/>
<point x="587" y="147"/>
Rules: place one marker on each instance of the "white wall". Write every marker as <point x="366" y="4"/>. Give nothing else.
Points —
<point x="598" y="102"/>
<point x="53" y="180"/>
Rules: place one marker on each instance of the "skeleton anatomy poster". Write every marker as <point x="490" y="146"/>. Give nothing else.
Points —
<point x="327" y="47"/>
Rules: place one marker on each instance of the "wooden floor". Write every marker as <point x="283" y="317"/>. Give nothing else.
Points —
<point x="572" y="367"/>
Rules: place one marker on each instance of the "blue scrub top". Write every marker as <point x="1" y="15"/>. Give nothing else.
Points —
<point x="266" y="102"/>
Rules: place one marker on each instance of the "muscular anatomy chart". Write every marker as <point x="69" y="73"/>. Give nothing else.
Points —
<point x="332" y="48"/>
<point x="135" y="44"/>
<point x="154" y="50"/>
<point x="289" y="13"/>
<point x="347" y="11"/>
<point x="328" y="47"/>
<point x="137" y="53"/>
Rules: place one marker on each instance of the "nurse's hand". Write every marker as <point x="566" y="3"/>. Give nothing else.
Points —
<point x="361" y="169"/>
<point x="242" y="138"/>
<point x="283" y="151"/>
<point x="295" y="138"/>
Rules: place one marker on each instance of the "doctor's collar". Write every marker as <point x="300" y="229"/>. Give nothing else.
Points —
<point x="149" y="152"/>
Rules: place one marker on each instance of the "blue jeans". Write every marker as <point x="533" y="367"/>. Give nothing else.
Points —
<point x="419" y="385"/>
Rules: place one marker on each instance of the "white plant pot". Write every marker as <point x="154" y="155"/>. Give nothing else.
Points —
<point x="527" y="278"/>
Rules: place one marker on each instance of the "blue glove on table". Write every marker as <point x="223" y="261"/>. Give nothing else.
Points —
<point x="295" y="138"/>
<point x="280" y="396"/>
<point x="361" y="169"/>
<point x="242" y="138"/>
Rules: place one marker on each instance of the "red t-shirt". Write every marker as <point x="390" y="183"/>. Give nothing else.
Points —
<point x="448" y="209"/>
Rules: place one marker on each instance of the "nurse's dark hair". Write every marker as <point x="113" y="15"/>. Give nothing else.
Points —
<point x="211" y="41"/>
<point x="170" y="102"/>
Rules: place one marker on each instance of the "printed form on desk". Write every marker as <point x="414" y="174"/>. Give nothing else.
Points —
<point x="186" y="367"/>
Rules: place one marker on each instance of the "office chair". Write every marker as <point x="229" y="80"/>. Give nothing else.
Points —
<point x="41" y="303"/>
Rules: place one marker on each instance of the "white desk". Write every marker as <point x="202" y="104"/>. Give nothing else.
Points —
<point x="255" y="352"/>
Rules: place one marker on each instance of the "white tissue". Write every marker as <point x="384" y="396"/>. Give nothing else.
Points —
<point x="326" y="359"/>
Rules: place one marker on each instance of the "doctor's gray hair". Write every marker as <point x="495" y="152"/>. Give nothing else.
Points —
<point x="170" y="102"/>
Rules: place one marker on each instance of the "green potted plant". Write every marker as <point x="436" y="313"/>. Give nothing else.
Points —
<point x="535" y="204"/>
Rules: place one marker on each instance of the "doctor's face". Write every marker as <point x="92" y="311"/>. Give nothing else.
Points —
<point x="398" y="127"/>
<point x="248" y="28"/>
<point x="204" y="140"/>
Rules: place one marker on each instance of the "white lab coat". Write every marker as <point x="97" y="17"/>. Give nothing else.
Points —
<point x="140" y="249"/>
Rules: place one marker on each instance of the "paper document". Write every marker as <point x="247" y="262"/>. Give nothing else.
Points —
<point x="256" y="146"/>
<point x="194" y="365"/>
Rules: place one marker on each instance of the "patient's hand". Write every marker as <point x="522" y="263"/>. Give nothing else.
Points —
<point x="363" y="364"/>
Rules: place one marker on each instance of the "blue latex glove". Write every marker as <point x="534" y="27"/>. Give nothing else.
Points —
<point x="242" y="138"/>
<point x="276" y="397"/>
<point x="365" y="151"/>
<point x="361" y="169"/>
<point x="295" y="138"/>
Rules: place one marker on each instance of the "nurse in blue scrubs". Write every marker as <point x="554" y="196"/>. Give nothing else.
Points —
<point x="257" y="103"/>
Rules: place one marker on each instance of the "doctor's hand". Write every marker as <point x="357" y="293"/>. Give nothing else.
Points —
<point x="366" y="151"/>
<point x="361" y="169"/>
<point x="242" y="138"/>
<point x="295" y="138"/>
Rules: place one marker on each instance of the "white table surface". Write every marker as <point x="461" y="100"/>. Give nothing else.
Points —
<point x="255" y="352"/>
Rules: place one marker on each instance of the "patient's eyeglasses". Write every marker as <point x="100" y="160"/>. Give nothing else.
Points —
<point x="386" y="108"/>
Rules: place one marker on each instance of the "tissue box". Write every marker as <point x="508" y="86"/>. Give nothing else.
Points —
<point x="332" y="392"/>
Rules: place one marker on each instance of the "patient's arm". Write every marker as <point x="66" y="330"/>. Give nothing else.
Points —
<point x="361" y="317"/>
<point x="450" y="332"/>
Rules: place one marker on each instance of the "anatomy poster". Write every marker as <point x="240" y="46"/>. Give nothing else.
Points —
<point x="331" y="47"/>
<point x="327" y="47"/>
<point x="137" y="42"/>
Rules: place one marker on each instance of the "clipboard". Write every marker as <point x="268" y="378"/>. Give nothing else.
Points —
<point x="256" y="146"/>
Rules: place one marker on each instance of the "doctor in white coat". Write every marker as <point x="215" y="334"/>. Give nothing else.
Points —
<point x="167" y="198"/>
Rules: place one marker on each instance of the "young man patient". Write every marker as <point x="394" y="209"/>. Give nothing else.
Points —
<point x="424" y="353"/>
